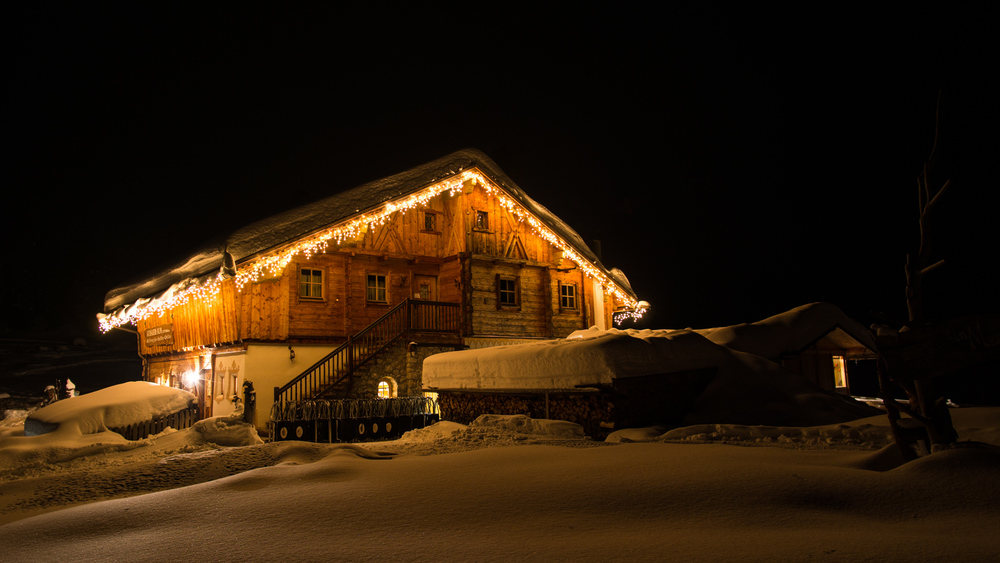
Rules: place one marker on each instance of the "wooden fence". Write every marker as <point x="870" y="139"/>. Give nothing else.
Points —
<point x="178" y="421"/>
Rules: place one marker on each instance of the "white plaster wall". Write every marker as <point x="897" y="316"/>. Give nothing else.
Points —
<point x="599" y="307"/>
<point x="229" y="370"/>
<point x="268" y="366"/>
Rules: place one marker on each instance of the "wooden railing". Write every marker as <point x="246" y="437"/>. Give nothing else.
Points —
<point x="178" y="421"/>
<point x="336" y="368"/>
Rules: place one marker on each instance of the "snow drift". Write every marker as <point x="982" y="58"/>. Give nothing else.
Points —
<point x="114" y="407"/>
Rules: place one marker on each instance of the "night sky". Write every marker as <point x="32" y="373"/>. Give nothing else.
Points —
<point x="735" y="163"/>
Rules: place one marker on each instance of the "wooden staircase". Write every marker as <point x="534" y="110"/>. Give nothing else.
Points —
<point x="331" y="376"/>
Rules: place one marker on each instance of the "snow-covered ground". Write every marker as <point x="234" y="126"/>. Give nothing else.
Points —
<point x="505" y="488"/>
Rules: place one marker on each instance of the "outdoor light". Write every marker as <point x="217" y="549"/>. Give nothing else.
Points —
<point x="190" y="379"/>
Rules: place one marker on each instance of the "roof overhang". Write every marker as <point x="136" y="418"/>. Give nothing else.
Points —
<point x="266" y="247"/>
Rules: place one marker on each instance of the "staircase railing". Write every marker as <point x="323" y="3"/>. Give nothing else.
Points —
<point x="336" y="368"/>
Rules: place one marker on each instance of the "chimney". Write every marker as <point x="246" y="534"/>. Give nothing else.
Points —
<point x="596" y="247"/>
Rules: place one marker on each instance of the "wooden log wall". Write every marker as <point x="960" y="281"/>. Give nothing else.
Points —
<point x="528" y="319"/>
<point x="264" y="309"/>
<point x="504" y="236"/>
<point x="565" y="321"/>
<point x="325" y="317"/>
<point x="197" y="322"/>
<point x="462" y="260"/>
<point x="401" y="283"/>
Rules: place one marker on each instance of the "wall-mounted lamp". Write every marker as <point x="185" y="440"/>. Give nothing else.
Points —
<point x="291" y="353"/>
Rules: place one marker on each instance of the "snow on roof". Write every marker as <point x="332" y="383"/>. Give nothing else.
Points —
<point x="114" y="407"/>
<point x="585" y="358"/>
<point x="748" y="387"/>
<point x="283" y="228"/>
<point x="789" y="332"/>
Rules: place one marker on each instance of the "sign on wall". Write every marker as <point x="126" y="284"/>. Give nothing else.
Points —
<point x="162" y="335"/>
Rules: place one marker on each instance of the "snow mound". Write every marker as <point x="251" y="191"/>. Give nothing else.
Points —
<point x="114" y="407"/>
<point x="228" y="431"/>
<point x="522" y="424"/>
<point x="437" y="431"/>
<point x="626" y="435"/>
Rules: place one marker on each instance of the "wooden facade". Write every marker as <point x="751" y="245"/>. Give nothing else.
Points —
<point x="454" y="261"/>
<point x="462" y="248"/>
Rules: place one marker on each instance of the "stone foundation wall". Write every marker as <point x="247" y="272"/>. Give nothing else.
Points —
<point x="391" y="362"/>
<point x="403" y="362"/>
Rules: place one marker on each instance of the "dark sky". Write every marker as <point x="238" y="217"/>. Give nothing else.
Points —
<point x="734" y="162"/>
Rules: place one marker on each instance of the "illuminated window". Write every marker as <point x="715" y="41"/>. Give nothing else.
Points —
<point x="311" y="284"/>
<point x="430" y="221"/>
<point x="508" y="292"/>
<point x="386" y="388"/>
<point x="482" y="220"/>
<point x="839" y="371"/>
<point x="376" y="289"/>
<point x="567" y="296"/>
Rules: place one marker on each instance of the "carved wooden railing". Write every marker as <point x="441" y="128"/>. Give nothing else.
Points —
<point x="334" y="371"/>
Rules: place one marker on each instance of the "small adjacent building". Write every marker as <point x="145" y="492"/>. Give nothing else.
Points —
<point x="344" y="298"/>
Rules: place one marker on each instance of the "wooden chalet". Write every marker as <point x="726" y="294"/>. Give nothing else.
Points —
<point x="345" y="297"/>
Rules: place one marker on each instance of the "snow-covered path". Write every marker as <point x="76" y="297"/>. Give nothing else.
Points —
<point x="488" y="494"/>
<point x="631" y="502"/>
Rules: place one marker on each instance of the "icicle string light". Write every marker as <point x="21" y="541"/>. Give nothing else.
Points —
<point x="207" y="288"/>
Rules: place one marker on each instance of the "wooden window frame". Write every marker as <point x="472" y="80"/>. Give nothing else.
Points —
<point x="484" y="227"/>
<point x="385" y="288"/>
<point x="321" y="284"/>
<point x="516" y="305"/>
<point x="437" y="222"/>
<point x="575" y="297"/>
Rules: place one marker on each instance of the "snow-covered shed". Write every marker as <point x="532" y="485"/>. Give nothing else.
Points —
<point x="343" y="297"/>
<point x="624" y="377"/>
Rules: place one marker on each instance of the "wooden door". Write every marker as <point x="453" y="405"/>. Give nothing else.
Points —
<point x="425" y="287"/>
<point x="424" y="317"/>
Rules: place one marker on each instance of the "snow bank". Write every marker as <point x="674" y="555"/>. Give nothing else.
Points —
<point x="630" y="502"/>
<point x="980" y="425"/>
<point x="522" y="424"/>
<point x="114" y="407"/>
<point x="228" y="431"/>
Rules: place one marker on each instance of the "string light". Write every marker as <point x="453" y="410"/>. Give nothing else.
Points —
<point x="207" y="288"/>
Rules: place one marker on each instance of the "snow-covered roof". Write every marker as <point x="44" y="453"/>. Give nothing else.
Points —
<point x="113" y="407"/>
<point x="745" y="376"/>
<point x="597" y="357"/>
<point x="790" y="332"/>
<point x="267" y="234"/>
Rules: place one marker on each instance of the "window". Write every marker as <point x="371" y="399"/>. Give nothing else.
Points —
<point x="387" y="388"/>
<point x="311" y="283"/>
<point x="482" y="220"/>
<point x="567" y="296"/>
<point x="430" y="221"/>
<point x="508" y="292"/>
<point x="839" y="372"/>
<point x="376" y="289"/>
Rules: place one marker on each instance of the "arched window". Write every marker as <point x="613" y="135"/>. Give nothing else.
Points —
<point x="386" y="388"/>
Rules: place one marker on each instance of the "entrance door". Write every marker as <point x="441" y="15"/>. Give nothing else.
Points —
<point x="425" y="287"/>
<point x="424" y="316"/>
